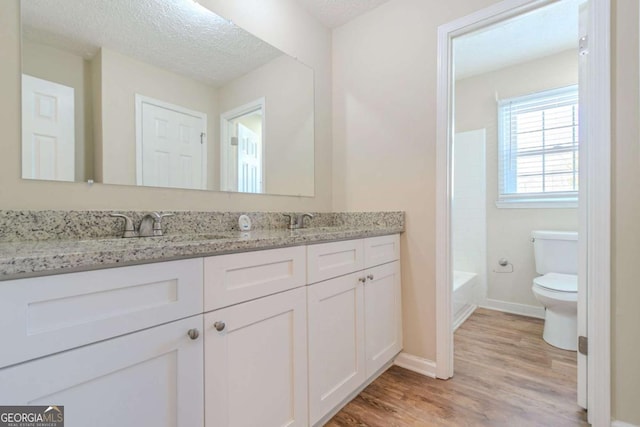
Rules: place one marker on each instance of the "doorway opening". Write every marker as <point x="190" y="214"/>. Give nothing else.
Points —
<point x="518" y="164"/>
<point x="242" y="150"/>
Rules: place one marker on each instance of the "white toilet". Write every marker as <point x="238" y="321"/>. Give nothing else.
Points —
<point x="556" y="254"/>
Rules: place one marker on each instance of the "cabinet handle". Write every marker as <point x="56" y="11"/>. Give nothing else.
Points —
<point x="370" y="276"/>
<point x="362" y="279"/>
<point x="193" y="334"/>
<point x="219" y="326"/>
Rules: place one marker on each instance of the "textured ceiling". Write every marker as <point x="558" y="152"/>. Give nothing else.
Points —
<point x="333" y="13"/>
<point x="542" y="32"/>
<point x="181" y="36"/>
<point x="176" y="35"/>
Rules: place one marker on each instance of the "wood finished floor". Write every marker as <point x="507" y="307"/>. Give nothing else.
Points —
<point x="505" y="375"/>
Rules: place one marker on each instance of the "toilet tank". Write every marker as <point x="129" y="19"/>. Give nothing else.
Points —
<point x="555" y="251"/>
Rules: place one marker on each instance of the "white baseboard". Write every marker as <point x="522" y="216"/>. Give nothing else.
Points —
<point x="621" y="424"/>
<point x="417" y="364"/>
<point x="514" y="308"/>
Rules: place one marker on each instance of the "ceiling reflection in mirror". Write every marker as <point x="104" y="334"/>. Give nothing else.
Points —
<point x="161" y="93"/>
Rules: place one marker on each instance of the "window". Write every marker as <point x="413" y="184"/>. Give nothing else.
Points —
<point x="538" y="147"/>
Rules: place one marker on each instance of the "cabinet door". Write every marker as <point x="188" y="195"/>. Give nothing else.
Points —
<point x="148" y="378"/>
<point x="336" y="342"/>
<point x="256" y="363"/>
<point x="383" y="315"/>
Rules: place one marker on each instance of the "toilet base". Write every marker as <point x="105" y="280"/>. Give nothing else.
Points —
<point x="561" y="329"/>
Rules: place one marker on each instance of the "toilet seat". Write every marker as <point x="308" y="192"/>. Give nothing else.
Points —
<point x="558" y="282"/>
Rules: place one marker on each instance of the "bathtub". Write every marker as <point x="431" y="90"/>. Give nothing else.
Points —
<point x="464" y="296"/>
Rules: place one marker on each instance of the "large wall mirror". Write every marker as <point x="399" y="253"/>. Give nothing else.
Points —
<point x="161" y="93"/>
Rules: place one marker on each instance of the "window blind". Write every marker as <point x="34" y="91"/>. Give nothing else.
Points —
<point x="538" y="145"/>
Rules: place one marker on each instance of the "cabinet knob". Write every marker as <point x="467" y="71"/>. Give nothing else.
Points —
<point x="370" y="276"/>
<point x="219" y="326"/>
<point x="362" y="279"/>
<point x="193" y="334"/>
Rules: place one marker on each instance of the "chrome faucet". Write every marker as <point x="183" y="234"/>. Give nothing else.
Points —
<point x="297" y="221"/>
<point x="150" y="225"/>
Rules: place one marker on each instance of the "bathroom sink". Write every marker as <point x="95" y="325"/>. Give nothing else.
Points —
<point x="177" y="238"/>
<point x="319" y="230"/>
<point x="191" y="237"/>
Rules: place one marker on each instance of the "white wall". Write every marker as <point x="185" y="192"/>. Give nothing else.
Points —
<point x="384" y="113"/>
<point x="289" y="114"/>
<point x="283" y="23"/>
<point x="508" y="230"/>
<point x="626" y="206"/>
<point x="469" y="207"/>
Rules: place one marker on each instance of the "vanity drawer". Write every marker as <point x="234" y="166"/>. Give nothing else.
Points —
<point x="381" y="250"/>
<point x="235" y="278"/>
<point x="334" y="259"/>
<point x="45" y="315"/>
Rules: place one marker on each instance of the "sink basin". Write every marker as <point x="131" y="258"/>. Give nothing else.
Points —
<point x="314" y="230"/>
<point x="192" y="237"/>
<point x="178" y="238"/>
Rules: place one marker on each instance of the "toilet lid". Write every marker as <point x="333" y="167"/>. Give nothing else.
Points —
<point x="558" y="282"/>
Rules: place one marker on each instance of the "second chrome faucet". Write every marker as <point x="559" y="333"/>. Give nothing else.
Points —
<point x="150" y="225"/>
<point x="297" y="221"/>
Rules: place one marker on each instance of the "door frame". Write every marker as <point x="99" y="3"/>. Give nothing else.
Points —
<point x="594" y="204"/>
<point x="141" y="99"/>
<point x="225" y="118"/>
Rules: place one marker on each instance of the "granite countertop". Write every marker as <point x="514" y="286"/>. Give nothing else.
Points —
<point x="40" y="258"/>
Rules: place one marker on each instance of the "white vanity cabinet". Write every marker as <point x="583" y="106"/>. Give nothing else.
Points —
<point x="147" y="378"/>
<point x="256" y="350"/>
<point x="116" y="347"/>
<point x="355" y="319"/>
<point x="268" y="338"/>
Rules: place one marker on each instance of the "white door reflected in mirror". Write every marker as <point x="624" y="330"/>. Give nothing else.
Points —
<point x="48" y="133"/>
<point x="171" y="150"/>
